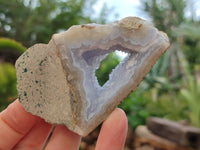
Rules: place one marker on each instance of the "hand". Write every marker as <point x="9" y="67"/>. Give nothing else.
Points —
<point x="20" y="130"/>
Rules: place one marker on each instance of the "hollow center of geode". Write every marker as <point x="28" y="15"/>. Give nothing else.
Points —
<point x="108" y="64"/>
<point x="88" y="61"/>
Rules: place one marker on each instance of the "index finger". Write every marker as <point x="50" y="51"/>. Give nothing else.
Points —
<point x="15" y="122"/>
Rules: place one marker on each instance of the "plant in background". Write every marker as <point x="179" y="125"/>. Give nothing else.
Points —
<point x="175" y="92"/>
<point x="178" y="105"/>
<point x="158" y="10"/>
<point x="135" y="107"/>
<point x="189" y="40"/>
<point x="6" y="43"/>
<point x="192" y="95"/>
<point x="188" y="35"/>
<point x="191" y="92"/>
<point x="168" y="105"/>
<point x="9" y="51"/>
<point x="106" y="67"/>
<point x="35" y="21"/>
<point x="157" y="80"/>
<point x="166" y="73"/>
<point x="142" y="103"/>
<point x="8" y="91"/>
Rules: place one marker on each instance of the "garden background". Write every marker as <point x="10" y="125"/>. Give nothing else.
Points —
<point x="171" y="89"/>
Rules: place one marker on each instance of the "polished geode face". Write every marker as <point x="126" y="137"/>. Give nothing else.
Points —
<point x="97" y="97"/>
<point x="71" y="60"/>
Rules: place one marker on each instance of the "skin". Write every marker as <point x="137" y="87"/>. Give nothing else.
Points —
<point x="21" y="130"/>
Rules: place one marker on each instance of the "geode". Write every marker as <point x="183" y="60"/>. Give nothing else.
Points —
<point x="57" y="81"/>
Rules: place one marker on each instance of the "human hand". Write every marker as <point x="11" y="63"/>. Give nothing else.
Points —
<point x="20" y="130"/>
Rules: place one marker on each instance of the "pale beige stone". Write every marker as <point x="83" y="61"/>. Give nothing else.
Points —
<point x="57" y="81"/>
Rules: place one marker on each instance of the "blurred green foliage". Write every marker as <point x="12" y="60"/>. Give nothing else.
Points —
<point x="10" y="50"/>
<point x="166" y="14"/>
<point x="171" y="89"/>
<point x="34" y="21"/>
<point x="6" y="43"/>
<point x="191" y="95"/>
<point x="106" y="67"/>
<point x="188" y="35"/>
<point x="135" y="107"/>
<point x="8" y="90"/>
<point x="190" y="92"/>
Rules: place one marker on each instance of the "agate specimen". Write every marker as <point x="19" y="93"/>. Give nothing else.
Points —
<point x="57" y="81"/>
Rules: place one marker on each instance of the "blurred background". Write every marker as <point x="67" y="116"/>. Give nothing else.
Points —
<point x="170" y="90"/>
